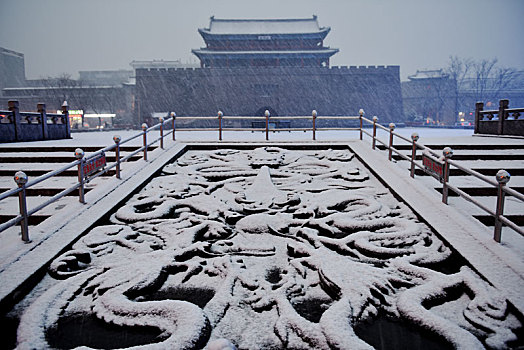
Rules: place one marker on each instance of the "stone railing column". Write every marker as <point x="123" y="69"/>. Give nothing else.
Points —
<point x="479" y="106"/>
<point x="41" y="108"/>
<point x="65" y="112"/>
<point x="503" y="105"/>
<point x="13" y="106"/>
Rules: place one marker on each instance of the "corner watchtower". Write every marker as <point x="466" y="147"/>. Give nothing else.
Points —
<point x="264" y="43"/>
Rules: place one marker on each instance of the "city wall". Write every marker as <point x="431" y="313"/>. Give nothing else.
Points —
<point x="285" y="91"/>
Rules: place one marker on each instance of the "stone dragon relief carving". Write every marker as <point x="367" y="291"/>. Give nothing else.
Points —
<point x="269" y="248"/>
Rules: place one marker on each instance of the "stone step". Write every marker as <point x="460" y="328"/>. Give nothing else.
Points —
<point x="68" y="149"/>
<point x="22" y="158"/>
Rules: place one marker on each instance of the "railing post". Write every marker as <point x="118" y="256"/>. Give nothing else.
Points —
<point x="173" y="116"/>
<point x="266" y="113"/>
<point x="503" y="105"/>
<point x="21" y="180"/>
<point x="79" y="154"/>
<point x="144" y="130"/>
<point x="161" y="119"/>
<point x="117" y="140"/>
<point x="220" y="114"/>
<point x="502" y="178"/>
<point x="65" y="113"/>
<point x="361" y="114"/>
<point x="374" y="141"/>
<point x="391" y="128"/>
<point x="479" y="106"/>
<point x="13" y="106"/>
<point x="447" y="152"/>
<point x="314" y="115"/>
<point x="40" y="107"/>
<point x="415" y="138"/>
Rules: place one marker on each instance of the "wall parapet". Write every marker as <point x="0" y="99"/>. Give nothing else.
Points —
<point x="504" y="121"/>
<point x="17" y="126"/>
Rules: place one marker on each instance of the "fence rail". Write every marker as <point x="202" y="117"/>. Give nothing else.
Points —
<point x="267" y="124"/>
<point x="501" y="179"/>
<point x="82" y="161"/>
<point x="85" y="164"/>
<point x="502" y="121"/>
<point x="17" y="126"/>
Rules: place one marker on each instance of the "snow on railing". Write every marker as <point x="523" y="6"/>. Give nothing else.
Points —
<point x="267" y="123"/>
<point x="95" y="165"/>
<point x="438" y="166"/>
<point x="17" y="126"/>
<point x="89" y="168"/>
<point x="502" y="121"/>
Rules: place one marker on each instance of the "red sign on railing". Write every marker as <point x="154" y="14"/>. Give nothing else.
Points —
<point x="433" y="166"/>
<point x="93" y="165"/>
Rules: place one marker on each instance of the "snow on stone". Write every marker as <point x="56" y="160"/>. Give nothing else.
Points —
<point x="268" y="248"/>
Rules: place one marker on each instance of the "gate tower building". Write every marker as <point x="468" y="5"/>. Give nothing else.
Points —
<point x="264" y="43"/>
<point x="282" y="65"/>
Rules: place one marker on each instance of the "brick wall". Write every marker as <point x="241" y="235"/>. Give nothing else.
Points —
<point x="285" y="90"/>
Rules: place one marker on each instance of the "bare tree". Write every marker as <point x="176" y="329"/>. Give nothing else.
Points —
<point x="58" y="89"/>
<point x="479" y="81"/>
<point x="82" y="95"/>
<point x="429" y="93"/>
<point x="458" y="69"/>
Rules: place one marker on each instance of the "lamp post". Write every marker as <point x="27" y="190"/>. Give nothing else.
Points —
<point x="314" y="116"/>
<point x="161" y="119"/>
<point x="267" y="114"/>
<point x="117" y="140"/>
<point x="79" y="154"/>
<point x="220" y="115"/>
<point x="391" y="128"/>
<point x="502" y="178"/>
<point x="21" y="179"/>
<point x="414" y="138"/>
<point x="361" y="114"/>
<point x="447" y="152"/>
<point x="144" y="130"/>
<point x="173" y="116"/>
<point x="374" y="141"/>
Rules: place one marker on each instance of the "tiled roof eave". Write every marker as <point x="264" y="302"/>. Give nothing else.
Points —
<point x="261" y="52"/>
<point x="208" y="35"/>
<point x="206" y="55"/>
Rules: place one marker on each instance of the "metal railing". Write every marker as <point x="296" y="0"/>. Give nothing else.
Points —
<point x="443" y="163"/>
<point x="267" y="122"/>
<point x="85" y="166"/>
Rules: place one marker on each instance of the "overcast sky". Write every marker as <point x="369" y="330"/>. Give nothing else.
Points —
<point x="67" y="36"/>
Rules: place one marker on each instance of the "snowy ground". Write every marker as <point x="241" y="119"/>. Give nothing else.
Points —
<point x="264" y="248"/>
<point x="106" y="137"/>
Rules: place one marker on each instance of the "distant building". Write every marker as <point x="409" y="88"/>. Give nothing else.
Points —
<point x="106" y="77"/>
<point x="490" y="91"/>
<point x="264" y="43"/>
<point x="429" y="98"/>
<point x="12" y="69"/>
<point x="432" y="97"/>
<point x="96" y="92"/>
<point x="282" y="65"/>
<point x="161" y="64"/>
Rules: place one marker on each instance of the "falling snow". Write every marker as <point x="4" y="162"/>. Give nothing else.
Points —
<point x="267" y="248"/>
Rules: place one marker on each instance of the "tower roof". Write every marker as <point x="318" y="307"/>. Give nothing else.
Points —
<point x="327" y="52"/>
<point x="263" y="26"/>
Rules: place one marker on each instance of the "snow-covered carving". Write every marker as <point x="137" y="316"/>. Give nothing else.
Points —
<point x="267" y="248"/>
